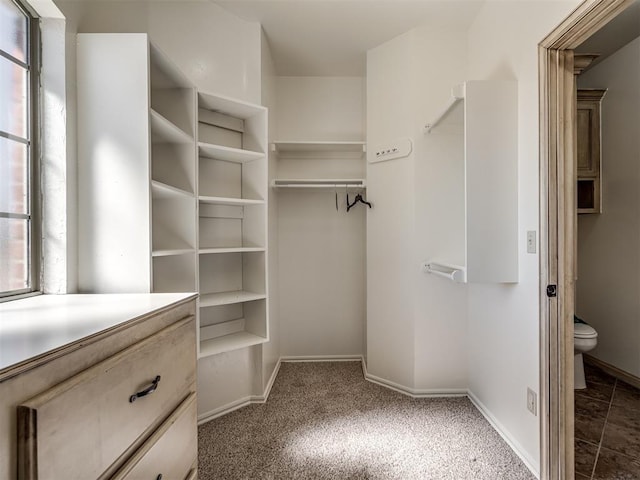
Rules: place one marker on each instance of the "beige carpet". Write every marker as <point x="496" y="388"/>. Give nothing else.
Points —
<point x="325" y="421"/>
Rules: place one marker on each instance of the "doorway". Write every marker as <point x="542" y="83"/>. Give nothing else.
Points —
<point x="558" y="237"/>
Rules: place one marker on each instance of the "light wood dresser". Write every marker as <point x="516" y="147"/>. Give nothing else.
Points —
<point x="98" y="386"/>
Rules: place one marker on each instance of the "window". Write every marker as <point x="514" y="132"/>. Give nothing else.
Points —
<point x="18" y="132"/>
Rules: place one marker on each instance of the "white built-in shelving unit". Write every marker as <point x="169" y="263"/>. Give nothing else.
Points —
<point x="173" y="177"/>
<point x="232" y="232"/>
<point x="173" y="189"/>
<point x="136" y="168"/>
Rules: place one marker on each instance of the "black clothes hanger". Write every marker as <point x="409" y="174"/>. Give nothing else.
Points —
<point x="356" y="200"/>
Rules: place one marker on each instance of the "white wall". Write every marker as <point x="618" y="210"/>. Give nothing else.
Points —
<point x="57" y="163"/>
<point x="221" y="54"/>
<point x="608" y="254"/>
<point x="479" y="337"/>
<point x="440" y="305"/>
<point x="390" y="225"/>
<point x="416" y="324"/>
<point x="503" y="341"/>
<point x="321" y="251"/>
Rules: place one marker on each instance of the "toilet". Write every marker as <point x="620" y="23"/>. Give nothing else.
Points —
<point x="585" y="338"/>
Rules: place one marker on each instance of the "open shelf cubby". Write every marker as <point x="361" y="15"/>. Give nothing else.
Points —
<point x="174" y="273"/>
<point x="231" y="326"/>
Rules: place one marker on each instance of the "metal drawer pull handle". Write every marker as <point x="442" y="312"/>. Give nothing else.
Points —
<point x="147" y="391"/>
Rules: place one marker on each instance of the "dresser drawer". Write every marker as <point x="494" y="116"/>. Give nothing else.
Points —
<point x="80" y="427"/>
<point x="170" y="453"/>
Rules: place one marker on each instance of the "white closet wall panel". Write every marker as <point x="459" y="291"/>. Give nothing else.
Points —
<point x="491" y="131"/>
<point x="321" y="251"/>
<point x="109" y="153"/>
<point x="321" y="108"/>
<point x="322" y="274"/>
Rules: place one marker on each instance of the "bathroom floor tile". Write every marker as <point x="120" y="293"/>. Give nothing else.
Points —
<point x="589" y="428"/>
<point x="585" y="455"/>
<point x="591" y="406"/>
<point x="615" y="466"/>
<point x="626" y="396"/>
<point x="622" y="438"/>
<point x="623" y="416"/>
<point x="598" y="391"/>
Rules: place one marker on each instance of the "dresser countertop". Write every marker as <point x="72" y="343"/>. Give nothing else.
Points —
<point x="38" y="326"/>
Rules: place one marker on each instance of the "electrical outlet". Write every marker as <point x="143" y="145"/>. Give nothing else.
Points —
<point x="531" y="241"/>
<point x="532" y="401"/>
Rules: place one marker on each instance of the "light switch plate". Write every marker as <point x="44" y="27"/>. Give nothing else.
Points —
<point x="531" y="241"/>
<point x="532" y="401"/>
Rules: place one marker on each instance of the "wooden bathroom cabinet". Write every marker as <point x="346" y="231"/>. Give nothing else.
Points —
<point x="589" y="150"/>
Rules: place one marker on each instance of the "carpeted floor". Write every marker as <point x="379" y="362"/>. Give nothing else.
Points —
<point x="325" y="421"/>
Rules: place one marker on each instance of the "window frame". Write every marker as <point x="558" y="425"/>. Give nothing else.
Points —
<point x="33" y="65"/>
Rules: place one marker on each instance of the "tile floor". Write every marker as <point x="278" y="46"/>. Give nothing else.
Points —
<point x="607" y="428"/>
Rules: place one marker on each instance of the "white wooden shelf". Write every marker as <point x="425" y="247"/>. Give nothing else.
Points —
<point x="165" y="252"/>
<point x="164" y="131"/>
<point x="229" y="106"/>
<point x="319" y="183"/>
<point x="217" y="250"/>
<point x="227" y="154"/>
<point x="228" y="298"/>
<point x="318" y="147"/>
<point x="226" y="343"/>
<point x="239" y="202"/>
<point x="162" y="190"/>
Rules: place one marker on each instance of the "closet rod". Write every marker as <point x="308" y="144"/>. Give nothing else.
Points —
<point x="454" y="273"/>
<point x="358" y="184"/>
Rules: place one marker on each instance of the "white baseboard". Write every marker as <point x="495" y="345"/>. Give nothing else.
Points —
<point x="223" y="410"/>
<point x="613" y="370"/>
<point x="242" y="402"/>
<point x="267" y="390"/>
<point x="413" y="392"/>
<point x="321" y="358"/>
<point x="506" y="436"/>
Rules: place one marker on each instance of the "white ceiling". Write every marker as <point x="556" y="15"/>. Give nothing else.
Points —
<point x="331" y="37"/>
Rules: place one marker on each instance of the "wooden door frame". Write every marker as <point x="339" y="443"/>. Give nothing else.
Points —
<point x="557" y="230"/>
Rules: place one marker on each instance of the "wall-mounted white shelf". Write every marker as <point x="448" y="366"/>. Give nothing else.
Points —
<point x="457" y="94"/>
<point x="164" y="131"/>
<point x="218" y="250"/>
<point x="166" y="252"/>
<point x="227" y="154"/>
<point x="358" y="183"/>
<point x="234" y="202"/>
<point x="281" y="147"/>
<point x="163" y="191"/>
<point x="233" y="341"/>
<point x="229" y="298"/>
